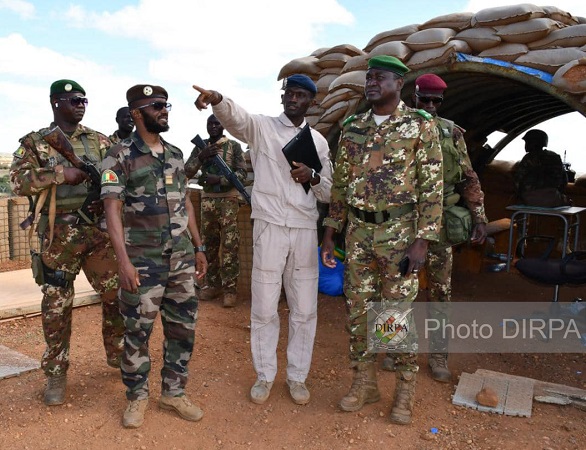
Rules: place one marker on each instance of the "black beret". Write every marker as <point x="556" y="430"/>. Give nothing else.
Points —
<point x="142" y="91"/>
<point x="389" y="63"/>
<point x="302" y="81"/>
<point x="65" y="86"/>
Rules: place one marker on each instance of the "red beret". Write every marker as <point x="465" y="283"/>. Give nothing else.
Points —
<point x="430" y="83"/>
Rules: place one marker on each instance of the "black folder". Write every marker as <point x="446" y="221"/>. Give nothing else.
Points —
<point x="302" y="149"/>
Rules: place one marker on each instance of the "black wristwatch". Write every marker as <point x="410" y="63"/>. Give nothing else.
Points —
<point x="201" y="248"/>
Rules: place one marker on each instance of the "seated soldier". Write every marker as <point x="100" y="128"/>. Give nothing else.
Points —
<point x="540" y="178"/>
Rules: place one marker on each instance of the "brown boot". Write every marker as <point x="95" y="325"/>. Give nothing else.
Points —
<point x="229" y="300"/>
<point x="364" y="388"/>
<point x="404" y="397"/>
<point x="438" y="363"/>
<point x="209" y="293"/>
<point x="55" y="390"/>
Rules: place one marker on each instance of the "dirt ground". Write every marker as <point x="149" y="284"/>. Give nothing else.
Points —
<point x="221" y="375"/>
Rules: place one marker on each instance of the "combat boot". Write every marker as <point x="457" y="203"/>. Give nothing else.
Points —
<point x="404" y="396"/>
<point x="438" y="363"/>
<point x="364" y="388"/>
<point x="389" y="363"/>
<point x="209" y="293"/>
<point x="229" y="300"/>
<point x="134" y="413"/>
<point x="55" y="390"/>
<point x="182" y="406"/>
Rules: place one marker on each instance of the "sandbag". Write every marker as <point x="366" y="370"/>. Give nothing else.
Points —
<point x="528" y="31"/>
<point x="549" y="60"/>
<point x="574" y="36"/>
<point x="324" y="81"/>
<point x="332" y="60"/>
<point x="394" y="48"/>
<point x="335" y="112"/>
<point x="505" y="52"/>
<point x="306" y="65"/>
<point x="354" y="80"/>
<point x="335" y="96"/>
<point x="396" y="34"/>
<point x="553" y="12"/>
<point x="479" y="39"/>
<point x="455" y="21"/>
<point x="436" y="56"/>
<point x="571" y="77"/>
<point x="359" y="62"/>
<point x="346" y="49"/>
<point x="430" y="38"/>
<point x="504" y="15"/>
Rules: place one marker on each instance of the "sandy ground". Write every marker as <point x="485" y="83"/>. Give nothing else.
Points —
<point x="221" y="375"/>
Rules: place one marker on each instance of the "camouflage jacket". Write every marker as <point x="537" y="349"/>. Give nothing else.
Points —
<point x="114" y="138"/>
<point x="233" y="156"/>
<point x="33" y="165"/>
<point x="152" y="189"/>
<point x="540" y="169"/>
<point x="460" y="179"/>
<point x="395" y="163"/>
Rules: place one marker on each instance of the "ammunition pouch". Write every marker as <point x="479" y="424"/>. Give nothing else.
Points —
<point x="43" y="275"/>
<point x="38" y="268"/>
<point x="456" y="227"/>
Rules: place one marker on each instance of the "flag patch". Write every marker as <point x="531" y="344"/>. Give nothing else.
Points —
<point x="109" y="177"/>
<point x="19" y="153"/>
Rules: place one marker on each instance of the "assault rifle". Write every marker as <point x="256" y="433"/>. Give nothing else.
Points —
<point x="57" y="139"/>
<point x="221" y="165"/>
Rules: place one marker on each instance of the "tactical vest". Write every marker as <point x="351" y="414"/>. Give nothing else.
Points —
<point x="452" y="161"/>
<point x="85" y="145"/>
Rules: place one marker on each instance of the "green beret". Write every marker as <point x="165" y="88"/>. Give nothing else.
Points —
<point x="389" y="63"/>
<point x="65" y="86"/>
<point x="142" y="91"/>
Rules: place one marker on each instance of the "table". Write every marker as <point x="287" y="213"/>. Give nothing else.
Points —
<point x="570" y="215"/>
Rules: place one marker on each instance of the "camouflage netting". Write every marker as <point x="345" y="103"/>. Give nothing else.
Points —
<point x="543" y="38"/>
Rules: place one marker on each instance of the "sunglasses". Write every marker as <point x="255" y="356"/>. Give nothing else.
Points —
<point x="427" y="99"/>
<point x="157" y="106"/>
<point x="75" y="101"/>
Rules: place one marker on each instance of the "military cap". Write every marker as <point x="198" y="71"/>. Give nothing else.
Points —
<point x="431" y="83"/>
<point x="536" y="135"/>
<point x="389" y="63"/>
<point x="302" y="81"/>
<point x="145" y="91"/>
<point x="65" y="86"/>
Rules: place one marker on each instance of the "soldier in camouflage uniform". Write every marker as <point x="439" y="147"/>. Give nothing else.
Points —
<point x="219" y="211"/>
<point x="125" y="125"/>
<point x="540" y="177"/>
<point x="387" y="184"/>
<point x="75" y="242"/>
<point x="152" y="226"/>
<point x="460" y="181"/>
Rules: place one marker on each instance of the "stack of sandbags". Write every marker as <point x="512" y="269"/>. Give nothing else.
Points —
<point x="544" y="38"/>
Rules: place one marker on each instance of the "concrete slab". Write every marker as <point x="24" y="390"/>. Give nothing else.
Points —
<point x="515" y="395"/>
<point x="21" y="297"/>
<point x="13" y="363"/>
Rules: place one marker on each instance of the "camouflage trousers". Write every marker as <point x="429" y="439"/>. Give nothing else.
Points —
<point x="372" y="275"/>
<point x="75" y="248"/>
<point x="220" y="235"/>
<point x="168" y="287"/>
<point x="439" y="275"/>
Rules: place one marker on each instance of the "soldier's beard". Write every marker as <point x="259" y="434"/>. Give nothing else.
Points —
<point x="151" y="124"/>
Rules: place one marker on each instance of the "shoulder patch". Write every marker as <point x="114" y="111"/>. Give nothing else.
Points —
<point x="349" y="119"/>
<point x="109" y="177"/>
<point x="19" y="153"/>
<point x="423" y="113"/>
